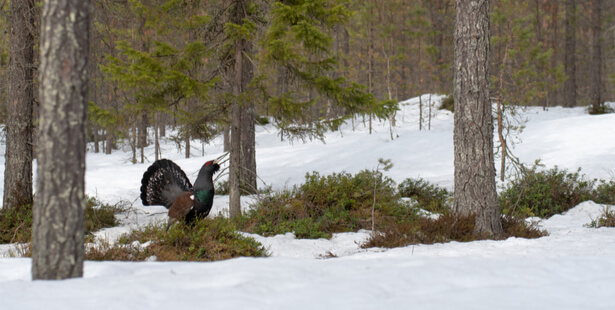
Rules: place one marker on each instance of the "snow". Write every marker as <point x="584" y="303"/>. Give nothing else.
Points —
<point x="572" y="268"/>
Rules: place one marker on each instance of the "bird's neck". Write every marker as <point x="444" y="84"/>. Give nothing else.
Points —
<point x="203" y="195"/>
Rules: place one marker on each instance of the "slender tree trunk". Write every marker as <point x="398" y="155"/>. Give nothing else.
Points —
<point x="227" y="138"/>
<point x="570" y="86"/>
<point x="236" y="114"/>
<point x="143" y="135"/>
<point x="552" y="91"/>
<point x="248" y="146"/>
<point x="370" y="64"/>
<point x="133" y="144"/>
<point x="596" y="75"/>
<point x="110" y="144"/>
<point x="156" y="136"/>
<point x="59" y="207"/>
<point x="96" y="139"/>
<point x="475" y="191"/>
<point x="162" y="126"/>
<point x="19" y="136"/>
<point x="248" y="138"/>
<point x="188" y="146"/>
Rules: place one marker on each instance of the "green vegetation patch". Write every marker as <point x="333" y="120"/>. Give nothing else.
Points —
<point x="16" y="223"/>
<point x="427" y="196"/>
<point x="324" y="205"/>
<point x="545" y="193"/>
<point x="205" y="240"/>
<point x="553" y="191"/>
<point x="342" y="202"/>
<point x="445" y="228"/>
<point x="607" y="219"/>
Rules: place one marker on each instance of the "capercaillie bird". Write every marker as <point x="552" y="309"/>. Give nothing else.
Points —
<point x="165" y="183"/>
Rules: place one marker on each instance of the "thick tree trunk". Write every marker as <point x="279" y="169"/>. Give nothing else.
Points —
<point x="570" y="86"/>
<point x="59" y="206"/>
<point x="18" y="155"/>
<point x="475" y="191"/>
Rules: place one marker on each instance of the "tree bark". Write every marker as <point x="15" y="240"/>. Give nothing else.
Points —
<point x="248" y="138"/>
<point x="596" y="64"/>
<point x="19" y="137"/>
<point x="59" y="206"/>
<point x="570" y="86"/>
<point x="237" y="87"/>
<point x="226" y="133"/>
<point x="475" y="191"/>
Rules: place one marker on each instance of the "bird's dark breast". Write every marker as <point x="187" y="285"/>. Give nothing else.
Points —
<point x="203" y="201"/>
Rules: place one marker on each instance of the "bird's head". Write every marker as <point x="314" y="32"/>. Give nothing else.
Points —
<point x="212" y="166"/>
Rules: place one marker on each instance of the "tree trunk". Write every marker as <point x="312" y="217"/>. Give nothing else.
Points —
<point x="238" y="87"/>
<point x="227" y="138"/>
<point x="110" y="144"/>
<point x="142" y="135"/>
<point x="475" y="191"/>
<point x="188" y="146"/>
<point x="18" y="154"/>
<point x="59" y="206"/>
<point x="596" y="72"/>
<point x="552" y="91"/>
<point x="248" y="138"/>
<point x="96" y="139"/>
<point x="156" y="136"/>
<point x="248" y="148"/>
<point x="133" y="144"/>
<point x="370" y="64"/>
<point x="570" y="86"/>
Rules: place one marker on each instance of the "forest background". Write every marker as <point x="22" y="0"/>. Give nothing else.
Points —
<point x="160" y="63"/>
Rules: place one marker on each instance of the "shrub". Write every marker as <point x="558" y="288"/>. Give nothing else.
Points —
<point x="545" y="193"/>
<point x="602" y="109"/>
<point x="448" y="103"/>
<point x="607" y="219"/>
<point x="16" y="224"/>
<point x="604" y="193"/>
<point x="447" y="227"/>
<point x="343" y="202"/>
<point x="428" y="196"/>
<point x="323" y="205"/>
<point x="99" y="215"/>
<point x="205" y="240"/>
<point x="222" y="188"/>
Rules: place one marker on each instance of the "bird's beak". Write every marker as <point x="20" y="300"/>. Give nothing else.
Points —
<point x="221" y="157"/>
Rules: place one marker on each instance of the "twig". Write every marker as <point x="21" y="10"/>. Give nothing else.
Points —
<point x="15" y="234"/>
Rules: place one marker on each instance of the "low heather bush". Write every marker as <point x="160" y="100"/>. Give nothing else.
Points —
<point x="204" y="240"/>
<point x="545" y="193"/>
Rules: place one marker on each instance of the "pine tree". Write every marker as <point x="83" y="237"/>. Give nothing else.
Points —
<point x="58" y="233"/>
<point x="299" y="43"/>
<point x="19" y="123"/>
<point x="475" y="192"/>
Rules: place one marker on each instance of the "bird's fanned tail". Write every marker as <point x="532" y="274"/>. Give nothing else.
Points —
<point x="162" y="183"/>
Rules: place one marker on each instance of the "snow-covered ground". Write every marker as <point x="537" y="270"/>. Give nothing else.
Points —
<point x="572" y="268"/>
